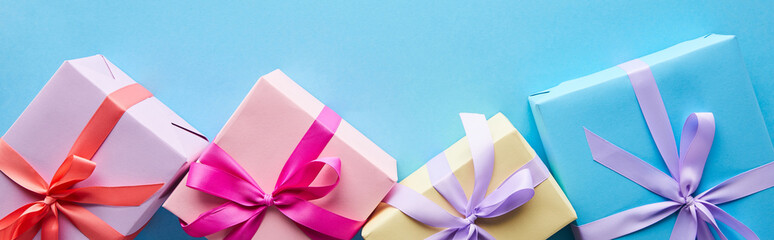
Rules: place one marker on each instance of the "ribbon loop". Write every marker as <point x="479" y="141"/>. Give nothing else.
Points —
<point x="240" y="190"/>
<point x="312" y="143"/>
<point x="695" y="143"/>
<point x="298" y="183"/>
<point x="222" y="217"/>
<point x="445" y="182"/>
<point x="731" y="222"/>
<point x="686" y="219"/>
<point x="13" y="165"/>
<point x="73" y="170"/>
<point x="216" y="157"/>
<point x="511" y="194"/>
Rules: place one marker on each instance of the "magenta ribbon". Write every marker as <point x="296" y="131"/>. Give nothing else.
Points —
<point x="218" y="174"/>
<point x="516" y="190"/>
<point x="696" y="213"/>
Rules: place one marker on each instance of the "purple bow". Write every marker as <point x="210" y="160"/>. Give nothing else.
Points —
<point x="516" y="190"/>
<point x="696" y="213"/>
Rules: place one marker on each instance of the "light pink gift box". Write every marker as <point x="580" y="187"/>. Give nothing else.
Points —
<point x="262" y="134"/>
<point x="143" y="148"/>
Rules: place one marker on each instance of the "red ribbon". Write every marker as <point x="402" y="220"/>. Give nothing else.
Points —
<point x="58" y="197"/>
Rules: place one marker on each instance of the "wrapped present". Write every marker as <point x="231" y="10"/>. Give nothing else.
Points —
<point x="285" y="166"/>
<point x="488" y="185"/>
<point x="92" y="156"/>
<point x="610" y="140"/>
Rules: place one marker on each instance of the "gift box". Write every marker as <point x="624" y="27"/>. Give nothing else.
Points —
<point x="705" y="75"/>
<point x="539" y="218"/>
<point x="147" y="145"/>
<point x="268" y="129"/>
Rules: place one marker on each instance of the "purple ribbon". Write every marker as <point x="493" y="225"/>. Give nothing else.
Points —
<point x="516" y="190"/>
<point x="696" y="213"/>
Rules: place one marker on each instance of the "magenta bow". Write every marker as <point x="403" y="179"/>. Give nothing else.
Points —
<point x="696" y="213"/>
<point x="218" y="174"/>
<point x="516" y="190"/>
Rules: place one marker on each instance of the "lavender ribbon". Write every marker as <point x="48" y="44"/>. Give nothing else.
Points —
<point x="516" y="190"/>
<point x="696" y="213"/>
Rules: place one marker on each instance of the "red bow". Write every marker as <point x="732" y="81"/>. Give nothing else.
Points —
<point x="59" y="197"/>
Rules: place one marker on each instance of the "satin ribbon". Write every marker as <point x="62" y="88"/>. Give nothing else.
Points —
<point x="516" y="190"/>
<point x="218" y="174"/>
<point x="696" y="213"/>
<point x="59" y="197"/>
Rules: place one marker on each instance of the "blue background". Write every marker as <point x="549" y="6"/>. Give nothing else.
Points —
<point x="399" y="71"/>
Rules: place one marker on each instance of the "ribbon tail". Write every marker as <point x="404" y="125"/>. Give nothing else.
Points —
<point x="467" y="233"/>
<point x="12" y="219"/>
<point x="247" y="229"/>
<point x="511" y="194"/>
<point x="705" y="215"/>
<point x="626" y="222"/>
<point x="321" y="220"/>
<point x="731" y="222"/>
<point x="482" y="150"/>
<point x="50" y="226"/>
<point x="420" y="208"/>
<point x="742" y="185"/>
<point x="224" y="216"/>
<point x="685" y="225"/>
<point x="445" y="182"/>
<point x="89" y="224"/>
<point x="632" y="167"/>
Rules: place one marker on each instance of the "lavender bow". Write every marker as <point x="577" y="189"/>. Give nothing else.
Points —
<point x="696" y="213"/>
<point x="516" y="190"/>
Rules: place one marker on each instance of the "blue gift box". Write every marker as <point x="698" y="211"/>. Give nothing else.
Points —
<point x="701" y="75"/>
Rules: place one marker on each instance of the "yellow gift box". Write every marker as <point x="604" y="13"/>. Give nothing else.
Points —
<point x="544" y="214"/>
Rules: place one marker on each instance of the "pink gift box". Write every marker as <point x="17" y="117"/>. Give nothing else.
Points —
<point x="145" y="147"/>
<point x="262" y="134"/>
